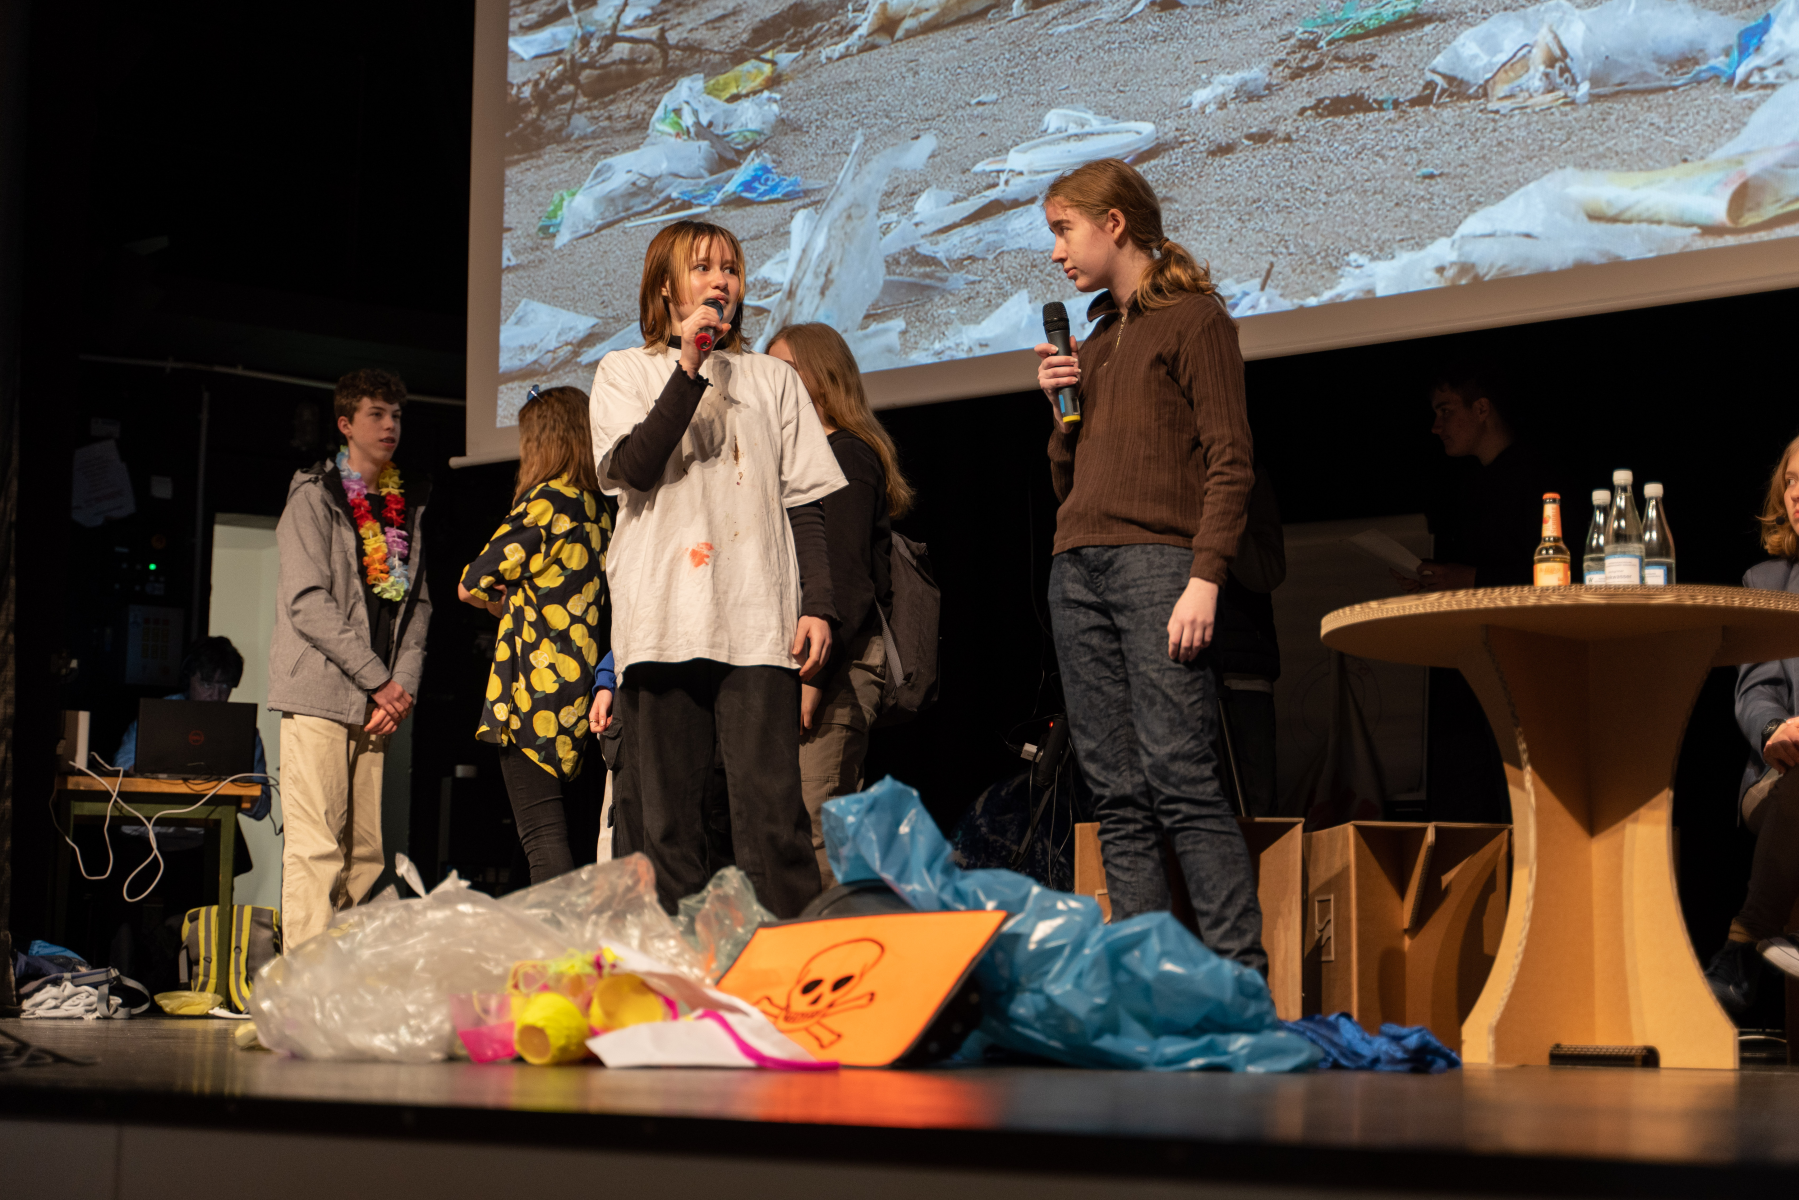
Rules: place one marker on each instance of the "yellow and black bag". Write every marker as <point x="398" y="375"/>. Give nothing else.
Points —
<point x="255" y="939"/>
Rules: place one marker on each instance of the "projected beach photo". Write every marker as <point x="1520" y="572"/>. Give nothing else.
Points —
<point x="884" y="162"/>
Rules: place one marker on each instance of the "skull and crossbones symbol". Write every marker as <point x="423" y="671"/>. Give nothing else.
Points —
<point x="826" y="986"/>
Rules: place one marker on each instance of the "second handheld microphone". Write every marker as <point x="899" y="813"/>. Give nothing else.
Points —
<point x="703" y="341"/>
<point x="1055" y="332"/>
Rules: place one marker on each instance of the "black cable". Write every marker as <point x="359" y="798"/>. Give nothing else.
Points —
<point x="27" y="1054"/>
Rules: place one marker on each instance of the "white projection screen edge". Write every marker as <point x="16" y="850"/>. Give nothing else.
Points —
<point x="591" y="281"/>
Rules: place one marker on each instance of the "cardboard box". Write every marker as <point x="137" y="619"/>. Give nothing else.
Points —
<point x="1402" y="921"/>
<point x="1277" y="856"/>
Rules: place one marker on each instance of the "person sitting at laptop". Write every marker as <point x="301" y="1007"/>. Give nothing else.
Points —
<point x="212" y="668"/>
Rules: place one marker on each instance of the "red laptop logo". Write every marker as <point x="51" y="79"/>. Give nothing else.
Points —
<point x="196" y="737"/>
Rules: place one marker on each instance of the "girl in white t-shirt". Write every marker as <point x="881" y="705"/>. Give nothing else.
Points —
<point x="720" y="583"/>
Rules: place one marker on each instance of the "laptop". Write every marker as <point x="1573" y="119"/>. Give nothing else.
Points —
<point x="185" y="739"/>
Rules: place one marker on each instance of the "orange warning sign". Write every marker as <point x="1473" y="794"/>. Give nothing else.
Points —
<point x="860" y="990"/>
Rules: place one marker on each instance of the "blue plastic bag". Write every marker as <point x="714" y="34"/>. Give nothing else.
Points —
<point x="1349" y="1047"/>
<point x="1056" y="982"/>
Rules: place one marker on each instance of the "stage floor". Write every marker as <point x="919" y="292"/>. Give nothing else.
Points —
<point x="1522" y="1131"/>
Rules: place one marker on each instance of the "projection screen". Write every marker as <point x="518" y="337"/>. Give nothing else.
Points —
<point x="1352" y="170"/>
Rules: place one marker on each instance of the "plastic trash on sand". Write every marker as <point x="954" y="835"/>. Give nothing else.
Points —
<point x="1767" y="51"/>
<point x="1227" y="88"/>
<point x="1141" y="993"/>
<point x="748" y="78"/>
<point x="754" y="180"/>
<point x="624" y="185"/>
<point x="1073" y="136"/>
<point x="837" y="273"/>
<point x="889" y="21"/>
<point x="1349" y="1047"/>
<point x="1356" y="19"/>
<point x="718" y="921"/>
<point x="537" y="336"/>
<point x="689" y="107"/>
<point x="1571" y="217"/>
<point x="1553" y="52"/>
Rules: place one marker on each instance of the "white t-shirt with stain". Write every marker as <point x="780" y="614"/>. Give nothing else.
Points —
<point x="702" y="565"/>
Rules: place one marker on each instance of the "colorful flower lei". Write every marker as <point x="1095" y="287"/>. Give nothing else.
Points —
<point x="384" y="551"/>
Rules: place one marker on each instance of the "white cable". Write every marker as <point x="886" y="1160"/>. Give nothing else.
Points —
<point x="112" y="790"/>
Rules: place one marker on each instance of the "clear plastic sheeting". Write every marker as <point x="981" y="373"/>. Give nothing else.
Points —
<point x="1141" y="993"/>
<point x="377" y="986"/>
<point x="610" y="903"/>
<point x="718" y="921"/>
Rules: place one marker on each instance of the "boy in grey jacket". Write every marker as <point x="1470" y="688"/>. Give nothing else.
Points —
<point x="348" y="648"/>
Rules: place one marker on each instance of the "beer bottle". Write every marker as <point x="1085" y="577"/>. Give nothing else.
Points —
<point x="1554" y="567"/>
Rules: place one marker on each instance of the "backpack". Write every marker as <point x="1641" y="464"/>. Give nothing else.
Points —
<point x="911" y="635"/>
<point x="255" y="940"/>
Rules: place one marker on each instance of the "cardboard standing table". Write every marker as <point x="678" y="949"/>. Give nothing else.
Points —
<point x="1588" y="691"/>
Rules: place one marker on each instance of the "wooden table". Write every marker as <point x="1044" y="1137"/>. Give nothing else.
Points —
<point x="1588" y="691"/>
<point x="84" y="798"/>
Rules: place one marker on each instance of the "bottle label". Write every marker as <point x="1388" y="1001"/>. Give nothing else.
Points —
<point x="1623" y="570"/>
<point x="1552" y="519"/>
<point x="1595" y="578"/>
<point x="1553" y="574"/>
<point x="1655" y="575"/>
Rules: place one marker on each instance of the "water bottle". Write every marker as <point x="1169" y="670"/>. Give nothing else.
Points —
<point x="1592" y="563"/>
<point x="1623" y="536"/>
<point x="1658" y="542"/>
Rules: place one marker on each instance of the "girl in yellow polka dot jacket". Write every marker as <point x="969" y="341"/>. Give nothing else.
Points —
<point x="543" y="575"/>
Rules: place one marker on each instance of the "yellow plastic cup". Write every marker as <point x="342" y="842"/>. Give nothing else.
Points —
<point x="550" y="1030"/>
<point x="620" y="1001"/>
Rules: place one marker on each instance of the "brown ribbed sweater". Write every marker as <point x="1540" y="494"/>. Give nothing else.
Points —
<point x="1164" y="451"/>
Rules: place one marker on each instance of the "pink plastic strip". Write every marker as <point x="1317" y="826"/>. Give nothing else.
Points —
<point x="756" y="1056"/>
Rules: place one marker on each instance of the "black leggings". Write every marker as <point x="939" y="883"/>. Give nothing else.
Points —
<point x="1774" y="877"/>
<point x="536" y="797"/>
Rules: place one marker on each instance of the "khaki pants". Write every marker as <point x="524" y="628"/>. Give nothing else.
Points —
<point x="331" y="814"/>
<point x="831" y="755"/>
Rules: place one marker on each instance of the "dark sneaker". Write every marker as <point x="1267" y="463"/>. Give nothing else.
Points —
<point x="1734" y="974"/>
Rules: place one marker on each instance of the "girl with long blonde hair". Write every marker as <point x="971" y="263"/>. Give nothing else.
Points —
<point x="838" y="706"/>
<point x="541" y="574"/>
<point x="1154" y="485"/>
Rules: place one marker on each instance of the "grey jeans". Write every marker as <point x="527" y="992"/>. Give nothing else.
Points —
<point x="1143" y="727"/>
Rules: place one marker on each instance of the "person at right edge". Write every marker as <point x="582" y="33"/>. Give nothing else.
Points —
<point x="1154" y="487"/>
<point x="1767" y="711"/>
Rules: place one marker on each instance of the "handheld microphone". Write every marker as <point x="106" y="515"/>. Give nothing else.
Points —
<point x="1055" y="332"/>
<point x="702" y="340"/>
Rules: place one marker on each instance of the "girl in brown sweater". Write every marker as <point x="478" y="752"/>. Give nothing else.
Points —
<point x="1153" y="493"/>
